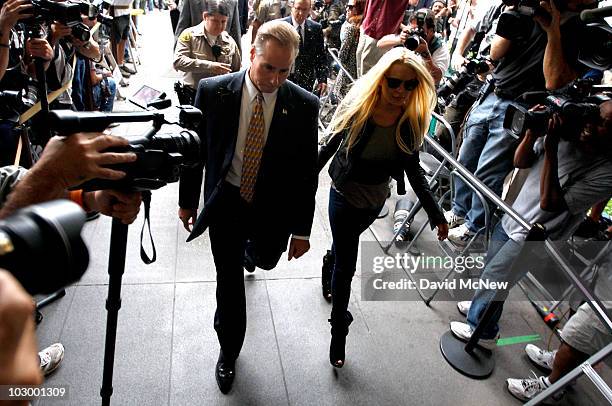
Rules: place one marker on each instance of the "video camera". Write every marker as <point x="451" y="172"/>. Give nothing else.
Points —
<point x="41" y="246"/>
<point x="576" y="103"/>
<point x="412" y="42"/>
<point x="160" y="156"/>
<point x="67" y="13"/>
<point x="517" y="23"/>
<point x="460" y="79"/>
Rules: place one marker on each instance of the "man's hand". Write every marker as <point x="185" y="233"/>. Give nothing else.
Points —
<point x="422" y="48"/>
<point x="39" y="48"/>
<point x="297" y="248"/>
<point x="553" y="135"/>
<point x="442" y="231"/>
<point x="457" y="62"/>
<point x="58" y="31"/>
<point x="77" y="158"/>
<point x="121" y="205"/>
<point x="18" y="348"/>
<point x="219" y="68"/>
<point x="552" y="25"/>
<point x="188" y="217"/>
<point x="11" y="12"/>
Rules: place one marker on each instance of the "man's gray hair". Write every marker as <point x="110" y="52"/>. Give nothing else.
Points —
<point x="280" y="31"/>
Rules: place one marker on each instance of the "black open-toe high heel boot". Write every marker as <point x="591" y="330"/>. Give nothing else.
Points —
<point x="339" y="331"/>
<point x="326" y="275"/>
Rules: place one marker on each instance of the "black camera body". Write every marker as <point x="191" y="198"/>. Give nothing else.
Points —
<point x="575" y="104"/>
<point x="159" y="156"/>
<point x="41" y="246"/>
<point x="459" y="80"/>
<point x="412" y="42"/>
<point x="69" y="14"/>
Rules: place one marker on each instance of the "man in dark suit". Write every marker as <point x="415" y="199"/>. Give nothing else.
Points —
<point x="311" y="63"/>
<point x="191" y="15"/>
<point x="259" y="136"/>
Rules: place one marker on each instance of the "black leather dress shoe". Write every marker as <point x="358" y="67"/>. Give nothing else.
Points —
<point x="248" y="264"/>
<point x="225" y="373"/>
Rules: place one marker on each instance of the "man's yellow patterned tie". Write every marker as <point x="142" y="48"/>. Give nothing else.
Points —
<point x="253" y="150"/>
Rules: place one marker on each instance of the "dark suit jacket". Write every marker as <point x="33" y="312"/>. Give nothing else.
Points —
<point x="311" y="62"/>
<point x="191" y="14"/>
<point x="284" y="200"/>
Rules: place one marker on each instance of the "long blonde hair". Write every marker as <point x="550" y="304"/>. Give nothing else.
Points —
<point x="365" y="94"/>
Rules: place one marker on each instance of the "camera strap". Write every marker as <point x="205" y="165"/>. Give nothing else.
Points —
<point x="146" y="199"/>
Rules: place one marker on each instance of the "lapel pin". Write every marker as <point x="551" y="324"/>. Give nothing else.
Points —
<point x="285" y="111"/>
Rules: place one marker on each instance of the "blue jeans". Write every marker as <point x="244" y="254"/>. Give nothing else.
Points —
<point x="347" y="223"/>
<point x="78" y="80"/>
<point x="500" y="267"/>
<point x="105" y="100"/>
<point x="487" y="151"/>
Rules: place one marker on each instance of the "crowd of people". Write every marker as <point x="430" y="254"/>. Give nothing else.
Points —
<point x="392" y="58"/>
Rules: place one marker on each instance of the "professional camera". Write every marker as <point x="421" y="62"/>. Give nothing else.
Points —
<point x="41" y="246"/>
<point x="517" y="23"/>
<point x="597" y="51"/>
<point x="576" y="103"/>
<point x="318" y="4"/>
<point x="10" y="104"/>
<point x="412" y="42"/>
<point x="459" y="80"/>
<point x="69" y="14"/>
<point x="160" y="156"/>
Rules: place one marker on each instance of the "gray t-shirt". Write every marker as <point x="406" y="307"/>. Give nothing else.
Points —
<point x="585" y="180"/>
<point x="368" y="186"/>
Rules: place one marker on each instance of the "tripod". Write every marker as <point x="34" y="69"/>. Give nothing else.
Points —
<point x="116" y="267"/>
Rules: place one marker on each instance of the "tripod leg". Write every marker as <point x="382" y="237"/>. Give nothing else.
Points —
<point x="116" y="266"/>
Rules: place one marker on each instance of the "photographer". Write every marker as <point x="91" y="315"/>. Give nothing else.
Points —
<point x="571" y="169"/>
<point x="328" y="14"/>
<point x="529" y="58"/>
<point x="431" y="46"/>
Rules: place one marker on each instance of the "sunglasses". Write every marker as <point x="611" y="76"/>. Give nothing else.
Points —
<point x="409" y="85"/>
<point x="350" y="6"/>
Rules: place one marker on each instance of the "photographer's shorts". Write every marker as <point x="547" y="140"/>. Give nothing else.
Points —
<point x="121" y="27"/>
<point x="585" y="332"/>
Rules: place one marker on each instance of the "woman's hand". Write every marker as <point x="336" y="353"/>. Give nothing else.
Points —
<point x="442" y="231"/>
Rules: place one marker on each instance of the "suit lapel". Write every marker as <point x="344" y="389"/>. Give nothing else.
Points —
<point x="230" y="98"/>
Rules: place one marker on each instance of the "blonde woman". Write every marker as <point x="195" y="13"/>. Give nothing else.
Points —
<point x="378" y="130"/>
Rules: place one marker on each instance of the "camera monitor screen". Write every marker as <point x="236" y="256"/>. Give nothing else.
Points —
<point x="144" y="96"/>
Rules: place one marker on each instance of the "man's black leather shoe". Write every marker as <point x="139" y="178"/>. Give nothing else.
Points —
<point x="248" y="264"/>
<point x="225" y="373"/>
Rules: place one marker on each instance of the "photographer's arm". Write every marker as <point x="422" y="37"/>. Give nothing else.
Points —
<point x="499" y="47"/>
<point x="18" y="347"/>
<point x="89" y="49"/>
<point x="391" y="40"/>
<point x="11" y="12"/>
<point x="67" y="162"/>
<point x="557" y="72"/>
<point x="466" y="36"/>
<point x="524" y="156"/>
<point x="551" y="194"/>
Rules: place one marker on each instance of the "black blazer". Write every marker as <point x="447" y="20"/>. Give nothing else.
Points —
<point x="341" y="167"/>
<point x="284" y="200"/>
<point x="311" y="62"/>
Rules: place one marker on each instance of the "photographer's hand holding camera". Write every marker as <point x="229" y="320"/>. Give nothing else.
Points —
<point x="69" y="161"/>
<point x="12" y="11"/>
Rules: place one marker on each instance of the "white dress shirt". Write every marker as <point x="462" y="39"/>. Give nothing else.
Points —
<point x="299" y="27"/>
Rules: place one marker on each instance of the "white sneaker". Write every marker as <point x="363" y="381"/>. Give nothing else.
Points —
<point x="528" y="388"/>
<point x="464" y="307"/>
<point x="463" y="331"/>
<point x="453" y="219"/>
<point x="460" y="235"/>
<point x="50" y="358"/>
<point x="540" y="357"/>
